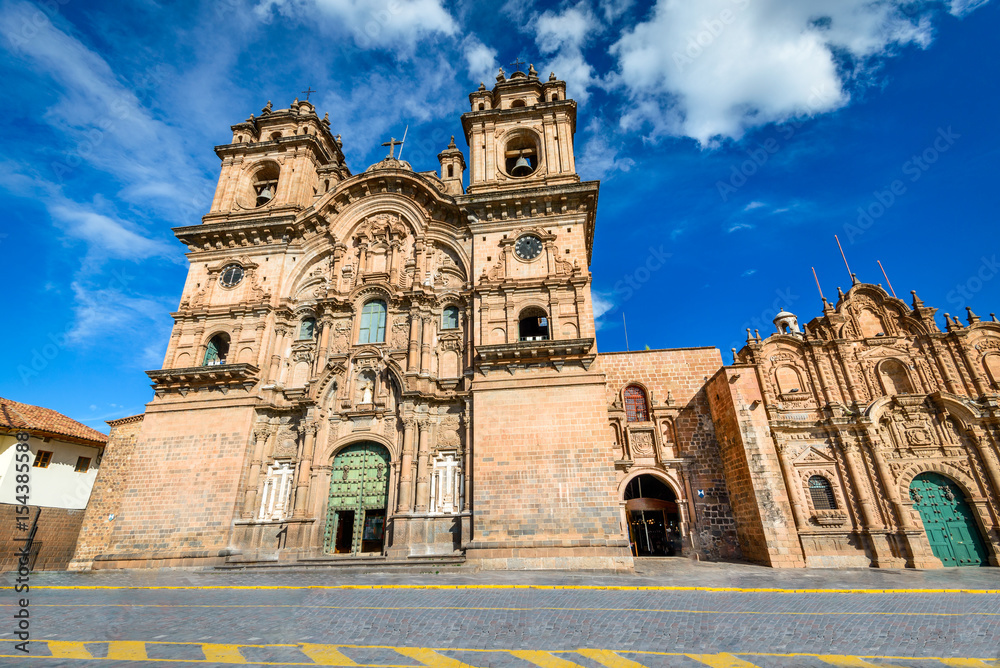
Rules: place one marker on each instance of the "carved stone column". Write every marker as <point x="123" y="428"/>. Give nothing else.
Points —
<point x="413" y="357"/>
<point x="888" y="482"/>
<point x="425" y="346"/>
<point x="791" y="485"/>
<point x="260" y="434"/>
<point x="856" y="472"/>
<point x="423" y="456"/>
<point x="305" y="468"/>
<point x="406" y="468"/>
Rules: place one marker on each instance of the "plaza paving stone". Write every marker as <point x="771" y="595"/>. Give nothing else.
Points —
<point x="670" y="613"/>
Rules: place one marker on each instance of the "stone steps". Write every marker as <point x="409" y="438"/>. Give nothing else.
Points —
<point x="352" y="564"/>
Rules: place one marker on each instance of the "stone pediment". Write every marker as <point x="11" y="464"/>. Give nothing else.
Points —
<point x="812" y="456"/>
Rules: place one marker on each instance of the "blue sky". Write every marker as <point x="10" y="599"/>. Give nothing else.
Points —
<point x="733" y="139"/>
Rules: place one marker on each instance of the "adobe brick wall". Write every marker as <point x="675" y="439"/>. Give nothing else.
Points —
<point x="683" y="373"/>
<point x="543" y="473"/>
<point x="56" y="537"/>
<point x="756" y="487"/>
<point x="181" y="486"/>
<point x="106" y="497"/>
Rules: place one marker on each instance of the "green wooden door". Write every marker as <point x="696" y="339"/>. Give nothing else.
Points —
<point x="356" y="509"/>
<point x="948" y="521"/>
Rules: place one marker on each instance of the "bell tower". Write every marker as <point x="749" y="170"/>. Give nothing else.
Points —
<point x="520" y="134"/>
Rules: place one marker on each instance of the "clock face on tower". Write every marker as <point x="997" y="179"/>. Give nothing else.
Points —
<point x="528" y="247"/>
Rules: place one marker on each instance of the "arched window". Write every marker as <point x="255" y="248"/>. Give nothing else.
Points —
<point x="451" y="171"/>
<point x="265" y="183"/>
<point x="533" y="325"/>
<point x="895" y="380"/>
<point x="482" y="106"/>
<point x="449" y="318"/>
<point x="788" y="380"/>
<point x="516" y="103"/>
<point x="636" y="408"/>
<point x="218" y="349"/>
<point x="307" y="329"/>
<point x="822" y="493"/>
<point x="372" y="323"/>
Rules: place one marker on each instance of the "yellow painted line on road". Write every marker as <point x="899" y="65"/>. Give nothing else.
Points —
<point x="505" y="609"/>
<point x="333" y="655"/>
<point x="429" y="657"/>
<point x="130" y="650"/>
<point x="721" y="661"/>
<point x="62" y="649"/>
<point x="760" y="590"/>
<point x="327" y="655"/>
<point x="223" y="653"/>
<point x="543" y="659"/>
<point x="852" y="662"/>
<point x="608" y="658"/>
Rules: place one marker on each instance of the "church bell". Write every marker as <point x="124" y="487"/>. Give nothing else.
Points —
<point x="265" y="196"/>
<point x="521" y="168"/>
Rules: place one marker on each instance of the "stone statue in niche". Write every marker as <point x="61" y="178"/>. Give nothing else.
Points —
<point x="366" y="387"/>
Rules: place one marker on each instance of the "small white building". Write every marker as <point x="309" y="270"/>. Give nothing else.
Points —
<point x="56" y="475"/>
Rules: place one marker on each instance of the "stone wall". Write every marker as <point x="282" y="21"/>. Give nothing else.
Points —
<point x="54" y="540"/>
<point x="179" y="496"/>
<point x="753" y="473"/>
<point x="675" y="382"/>
<point x="106" y="497"/>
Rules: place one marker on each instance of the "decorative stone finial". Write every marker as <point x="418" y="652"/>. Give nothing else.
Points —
<point x="532" y="72"/>
<point x="502" y="76"/>
<point x="451" y="142"/>
<point x="267" y="109"/>
<point x="971" y="317"/>
<point x="552" y="76"/>
<point x="854" y="279"/>
<point x="340" y="142"/>
<point x="482" y="86"/>
<point x="840" y="293"/>
<point x="917" y="303"/>
<point x="296" y="102"/>
<point x="326" y="118"/>
<point x="993" y="317"/>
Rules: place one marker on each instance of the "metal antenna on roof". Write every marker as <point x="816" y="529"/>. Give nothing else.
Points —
<point x="817" y="285"/>
<point x="886" y="278"/>
<point x="625" y="325"/>
<point x="403" y="143"/>
<point x="854" y="279"/>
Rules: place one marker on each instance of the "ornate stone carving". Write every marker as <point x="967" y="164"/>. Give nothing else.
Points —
<point x="642" y="443"/>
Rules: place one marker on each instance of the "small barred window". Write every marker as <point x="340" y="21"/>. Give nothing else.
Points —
<point x="822" y="493"/>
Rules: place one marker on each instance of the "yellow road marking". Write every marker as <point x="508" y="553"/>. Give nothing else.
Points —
<point x="63" y="649"/>
<point x="509" y="609"/>
<point x="223" y="653"/>
<point x="127" y="649"/>
<point x="429" y="657"/>
<point x="852" y="662"/>
<point x="764" y="590"/>
<point x="331" y="655"/>
<point x="721" y="661"/>
<point x="543" y="659"/>
<point x="608" y="658"/>
<point x="327" y="655"/>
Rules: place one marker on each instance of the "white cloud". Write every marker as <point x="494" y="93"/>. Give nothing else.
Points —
<point x="480" y="59"/>
<point x="597" y="158"/>
<point x="561" y="37"/>
<point x="714" y="68"/>
<point x="739" y="226"/>
<point x="613" y="9"/>
<point x="753" y="205"/>
<point x="748" y="272"/>
<point x="105" y="235"/>
<point x="115" y="313"/>
<point x="602" y="303"/>
<point x="396" y="24"/>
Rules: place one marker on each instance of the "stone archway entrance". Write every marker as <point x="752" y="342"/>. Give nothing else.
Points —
<point x="948" y="521"/>
<point x="654" y="522"/>
<point x="356" y="509"/>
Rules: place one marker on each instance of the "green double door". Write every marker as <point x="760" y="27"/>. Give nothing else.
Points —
<point x="359" y="494"/>
<point x="948" y="521"/>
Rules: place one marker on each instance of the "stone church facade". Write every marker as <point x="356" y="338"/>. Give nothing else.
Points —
<point x="400" y="365"/>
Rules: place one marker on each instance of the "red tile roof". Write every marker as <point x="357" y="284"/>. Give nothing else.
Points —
<point x="15" y="415"/>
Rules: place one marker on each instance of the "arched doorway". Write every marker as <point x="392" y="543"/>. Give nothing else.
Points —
<point x="654" y="523"/>
<point x="948" y="521"/>
<point x="359" y="491"/>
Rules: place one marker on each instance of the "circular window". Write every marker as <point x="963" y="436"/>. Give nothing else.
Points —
<point x="231" y="276"/>
<point x="528" y="247"/>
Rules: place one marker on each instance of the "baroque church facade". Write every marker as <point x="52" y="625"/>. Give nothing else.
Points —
<point x="402" y="366"/>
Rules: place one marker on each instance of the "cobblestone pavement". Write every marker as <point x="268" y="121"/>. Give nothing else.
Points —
<point x="672" y="613"/>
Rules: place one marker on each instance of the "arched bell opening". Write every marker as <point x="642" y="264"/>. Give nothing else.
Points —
<point x="533" y="325"/>
<point x="949" y="521"/>
<point x="358" y="501"/>
<point x="654" y="521"/>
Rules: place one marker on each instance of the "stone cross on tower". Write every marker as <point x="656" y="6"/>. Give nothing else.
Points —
<point x="392" y="144"/>
<point x="308" y="91"/>
<point x="517" y="64"/>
